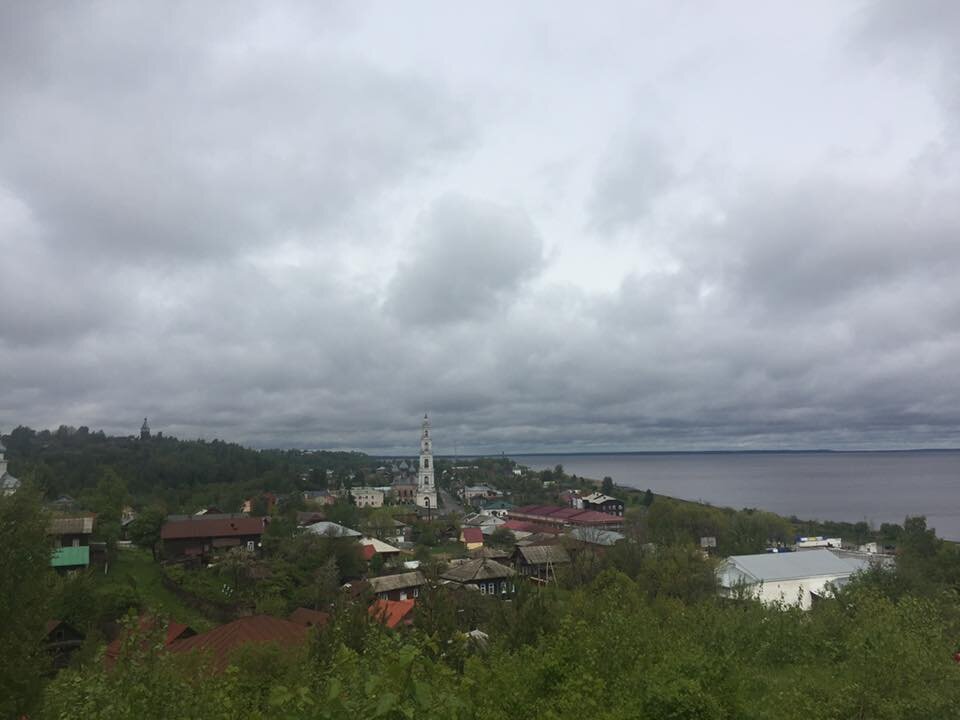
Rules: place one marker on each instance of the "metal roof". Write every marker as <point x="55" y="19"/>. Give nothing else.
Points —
<point x="222" y="641"/>
<point x="331" y="529"/>
<point x="9" y="482"/>
<point x="478" y="569"/>
<point x="596" y="536"/>
<point x="206" y="527"/>
<point x="70" y="557"/>
<point x="397" y="582"/>
<point x="770" y="567"/>
<point x="471" y="535"/>
<point x="543" y="554"/>
<point x="71" y="525"/>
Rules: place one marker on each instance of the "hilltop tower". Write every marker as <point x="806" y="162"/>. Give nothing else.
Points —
<point x="144" y="430"/>
<point x="426" y="488"/>
<point x="8" y="483"/>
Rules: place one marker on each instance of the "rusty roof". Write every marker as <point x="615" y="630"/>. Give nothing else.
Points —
<point x="203" y="527"/>
<point x="392" y="612"/>
<point x="309" y="618"/>
<point x="222" y="641"/>
<point x="472" y="535"/>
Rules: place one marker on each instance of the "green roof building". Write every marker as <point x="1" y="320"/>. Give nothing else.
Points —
<point x="70" y="557"/>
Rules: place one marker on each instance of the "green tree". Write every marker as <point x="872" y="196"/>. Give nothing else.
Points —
<point x="25" y="597"/>
<point x="109" y="498"/>
<point x="144" y="530"/>
<point x="606" y="487"/>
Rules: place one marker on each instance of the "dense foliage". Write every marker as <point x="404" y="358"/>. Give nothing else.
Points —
<point x="606" y="650"/>
<point x="177" y="474"/>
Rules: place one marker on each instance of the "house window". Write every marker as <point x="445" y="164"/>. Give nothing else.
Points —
<point x="483" y="589"/>
<point x="416" y="592"/>
<point x="492" y="588"/>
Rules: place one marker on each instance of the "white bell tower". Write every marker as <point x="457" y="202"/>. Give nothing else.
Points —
<point x="426" y="488"/>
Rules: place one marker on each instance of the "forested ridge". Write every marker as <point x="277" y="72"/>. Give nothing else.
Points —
<point x="178" y="474"/>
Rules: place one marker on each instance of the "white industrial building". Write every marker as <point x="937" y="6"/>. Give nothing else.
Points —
<point x="793" y="578"/>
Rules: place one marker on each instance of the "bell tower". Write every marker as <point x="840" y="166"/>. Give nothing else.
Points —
<point x="426" y="487"/>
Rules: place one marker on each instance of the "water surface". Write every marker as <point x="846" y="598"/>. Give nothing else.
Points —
<point x="852" y="486"/>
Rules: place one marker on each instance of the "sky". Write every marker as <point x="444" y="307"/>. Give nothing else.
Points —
<point x="556" y="226"/>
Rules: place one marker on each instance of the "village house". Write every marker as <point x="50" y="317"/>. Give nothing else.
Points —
<point x="793" y="578"/>
<point x="172" y="631"/>
<point x="367" y="497"/>
<point x="319" y="497"/>
<point x="602" y="503"/>
<point x="486" y="523"/>
<point x="472" y="537"/>
<point x="486" y="575"/>
<point x="269" y="501"/>
<point x="309" y="618"/>
<point x="309" y="517"/>
<point x="222" y="642"/>
<point x="200" y="537"/>
<point x="331" y="529"/>
<point x="373" y="546"/>
<point x="564" y="517"/>
<point x="539" y="562"/>
<point x="71" y="542"/>
<point x="61" y="642"/>
<point x="397" y="587"/>
<point x="393" y="613"/>
<point x="498" y="508"/>
<point x="475" y="494"/>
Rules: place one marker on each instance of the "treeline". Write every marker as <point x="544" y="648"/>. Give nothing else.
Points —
<point x="178" y="474"/>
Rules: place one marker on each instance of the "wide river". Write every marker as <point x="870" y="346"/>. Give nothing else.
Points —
<point x="873" y="486"/>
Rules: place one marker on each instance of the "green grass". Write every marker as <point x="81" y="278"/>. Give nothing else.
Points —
<point x="450" y="547"/>
<point x="136" y="568"/>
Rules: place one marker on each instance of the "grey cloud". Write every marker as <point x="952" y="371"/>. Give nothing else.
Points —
<point x="165" y="144"/>
<point x="628" y="182"/>
<point x="468" y="260"/>
<point x="184" y="200"/>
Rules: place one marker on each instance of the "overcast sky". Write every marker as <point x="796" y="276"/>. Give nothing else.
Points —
<point x="555" y="226"/>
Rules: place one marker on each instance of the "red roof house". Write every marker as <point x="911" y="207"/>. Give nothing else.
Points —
<point x="175" y="631"/>
<point x="393" y="612"/>
<point x="198" y="535"/>
<point x="309" y="618"/>
<point x="221" y="642"/>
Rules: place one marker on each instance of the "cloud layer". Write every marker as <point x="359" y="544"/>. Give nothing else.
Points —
<point x="293" y="226"/>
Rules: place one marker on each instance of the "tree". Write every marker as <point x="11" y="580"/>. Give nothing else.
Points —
<point x="648" y="498"/>
<point x="25" y="595"/>
<point x="144" y="530"/>
<point x="606" y="487"/>
<point x="108" y="500"/>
